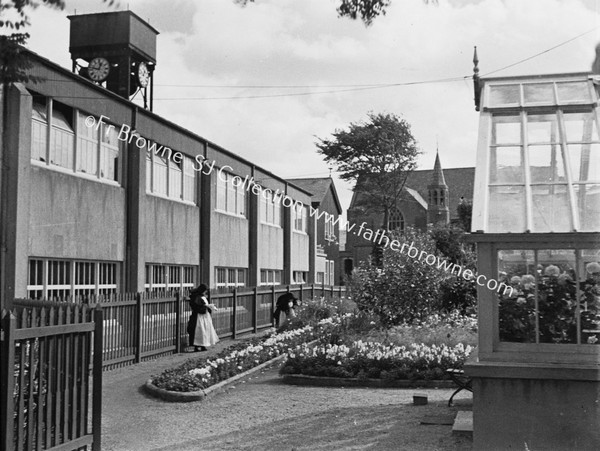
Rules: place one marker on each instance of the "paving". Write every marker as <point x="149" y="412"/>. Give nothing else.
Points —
<point x="261" y="413"/>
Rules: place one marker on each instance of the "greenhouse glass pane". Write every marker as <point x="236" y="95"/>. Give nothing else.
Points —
<point x="506" y="130"/>
<point x="504" y="95"/>
<point x="542" y="128"/>
<point x="588" y="206"/>
<point x="516" y="268"/>
<point x="538" y="93"/>
<point x="580" y="127"/>
<point x="557" y="298"/>
<point x="546" y="164"/>
<point x="506" y="209"/>
<point x="585" y="162"/>
<point x="506" y="165"/>
<point x="573" y="92"/>
<point x="550" y="208"/>
<point x="589" y="282"/>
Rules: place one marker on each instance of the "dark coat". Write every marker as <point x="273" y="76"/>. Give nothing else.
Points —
<point x="198" y="304"/>
<point x="282" y="305"/>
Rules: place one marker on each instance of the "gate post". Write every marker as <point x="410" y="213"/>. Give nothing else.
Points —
<point x="177" y="322"/>
<point x="139" y="328"/>
<point x="7" y="380"/>
<point x="255" y="313"/>
<point x="234" y="319"/>
<point x="97" y="380"/>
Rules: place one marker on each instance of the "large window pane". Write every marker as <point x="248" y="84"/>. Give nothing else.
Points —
<point x="516" y="311"/>
<point x="585" y="162"/>
<point x="506" y="130"/>
<point x="504" y="95"/>
<point x="189" y="180"/>
<point x="222" y="192"/>
<point x="538" y="93"/>
<point x="160" y="175"/>
<point x="550" y="208"/>
<point x="506" y="209"/>
<point x="109" y="153"/>
<point x="175" y="180"/>
<point x="588" y="207"/>
<point x="580" y="127"/>
<point x="506" y="165"/>
<point x="557" y="297"/>
<point x="589" y="282"/>
<point x="39" y="140"/>
<point x="546" y="164"/>
<point x="542" y="128"/>
<point x="573" y="92"/>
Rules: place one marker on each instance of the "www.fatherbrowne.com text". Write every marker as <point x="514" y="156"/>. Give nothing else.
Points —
<point x="249" y="184"/>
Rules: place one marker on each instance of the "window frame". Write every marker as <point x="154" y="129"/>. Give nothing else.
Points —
<point x="77" y="120"/>
<point x="230" y="195"/>
<point x="154" y="159"/>
<point x="183" y="275"/>
<point x="567" y="193"/>
<point x="71" y="288"/>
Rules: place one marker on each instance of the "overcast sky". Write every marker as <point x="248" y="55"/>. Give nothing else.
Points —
<point x="230" y="54"/>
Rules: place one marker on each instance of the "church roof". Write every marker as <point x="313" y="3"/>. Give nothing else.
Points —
<point x="318" y="187"/>
<point x="460" y="182"/>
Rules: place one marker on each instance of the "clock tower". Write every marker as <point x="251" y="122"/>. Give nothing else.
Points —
<point x="116" y="50"/>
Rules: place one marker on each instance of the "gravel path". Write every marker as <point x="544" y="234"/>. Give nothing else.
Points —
<point x="261" y="413"/>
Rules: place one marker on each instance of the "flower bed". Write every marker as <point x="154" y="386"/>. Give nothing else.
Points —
<point x="198" y="374"/>
<point x="373" y="360"/>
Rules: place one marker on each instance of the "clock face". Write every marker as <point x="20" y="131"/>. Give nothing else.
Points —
<point x="98" y="69"/>
<point x="143" y="75"/>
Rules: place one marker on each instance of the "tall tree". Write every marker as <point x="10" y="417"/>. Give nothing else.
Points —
<point x="378" y="155"/>
<point x="365" y="10"/>
<point x="14" y="19"/>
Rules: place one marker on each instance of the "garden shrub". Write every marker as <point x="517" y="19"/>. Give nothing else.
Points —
<point x="404" y="289"/>
<point x="456" y="293"/>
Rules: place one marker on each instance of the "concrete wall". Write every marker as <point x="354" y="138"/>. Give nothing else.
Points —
<point x="171" y="232"/>
<point x="535" y="414"/>
<point x="300" y="251"/>
<point x="71" y="217"/>
<point x="270" y="247"/>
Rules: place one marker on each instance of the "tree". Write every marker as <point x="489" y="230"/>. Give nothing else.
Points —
<point x="14" y="64"/>
<point x="366" y="10"/>
<point x="378" y="155"/>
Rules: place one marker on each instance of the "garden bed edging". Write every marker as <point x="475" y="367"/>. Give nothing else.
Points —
<point x="200" y="395"/>
<point x="301" y="379"/>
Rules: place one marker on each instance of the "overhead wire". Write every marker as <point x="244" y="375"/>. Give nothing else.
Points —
<point x="344" y="88"/>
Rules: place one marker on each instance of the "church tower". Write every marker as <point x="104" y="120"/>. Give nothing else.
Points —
<point x="437" y="205"/>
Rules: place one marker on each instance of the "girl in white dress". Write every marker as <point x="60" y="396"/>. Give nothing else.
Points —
<point x="204" y="331"/>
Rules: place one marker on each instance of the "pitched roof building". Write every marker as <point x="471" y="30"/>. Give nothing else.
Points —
<point x="429" y="196"/>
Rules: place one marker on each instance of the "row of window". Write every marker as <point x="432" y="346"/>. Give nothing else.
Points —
<point x="230" y="277"/>
<point x="169" y="277"/>
<point x="328" y="276"/>
<point x="299" y="277"/>
<point x="270" y="209"/>
<point x="270" y="277"/>
<point x="61" y="138"/>
<point x="231" y="198"/>
<point x="170" y="178"/>
<point x="299" y="218"/>
<point x="48" y="279"/>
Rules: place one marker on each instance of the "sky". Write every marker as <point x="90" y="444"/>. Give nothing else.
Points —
<point x="267" y="80"/>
